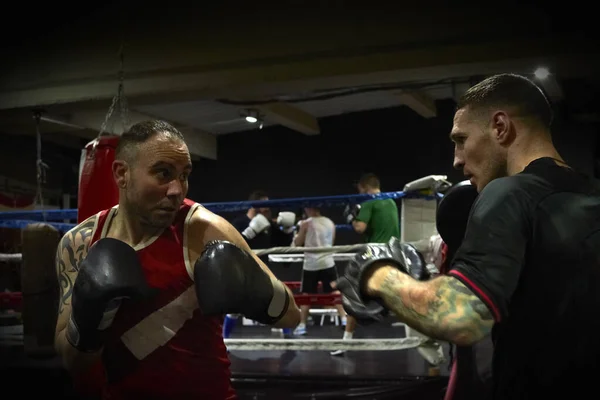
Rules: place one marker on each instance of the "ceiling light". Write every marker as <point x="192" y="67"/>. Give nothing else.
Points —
<point x="542" y="73"/>
<point x="251" y="115"/>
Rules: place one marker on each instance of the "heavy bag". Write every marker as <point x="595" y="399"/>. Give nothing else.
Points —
<point x="97" y="188"/>
<point x="40" y="288"/>
<point x="453" y="214"/>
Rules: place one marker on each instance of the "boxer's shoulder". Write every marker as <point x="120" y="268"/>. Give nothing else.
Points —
<point x="204" y="226"/>
<point x="499" y="190"/>
<point x="75" y="242"/>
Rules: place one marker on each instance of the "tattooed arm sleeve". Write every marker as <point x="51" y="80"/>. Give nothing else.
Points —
<point x="442" y="308"/>
<point x="72" y="248"/>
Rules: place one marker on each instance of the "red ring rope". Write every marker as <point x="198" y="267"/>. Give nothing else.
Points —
<point x="14" y="300"/>
<point x="319" y="299"/>
<point x="11" y="301"/>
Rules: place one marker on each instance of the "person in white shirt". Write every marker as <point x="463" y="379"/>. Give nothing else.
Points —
<point x="316" y="231"/>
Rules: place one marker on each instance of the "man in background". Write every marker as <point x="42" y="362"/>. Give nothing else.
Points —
<point x="316" y="231"/>
<point x="377" y="220"/>
<point x="261" y="231"/>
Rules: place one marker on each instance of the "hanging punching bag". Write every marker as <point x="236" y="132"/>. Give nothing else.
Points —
<point x="97" y="188"/>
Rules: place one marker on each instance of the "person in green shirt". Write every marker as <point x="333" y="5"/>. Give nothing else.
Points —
<point x="377" y="219"/>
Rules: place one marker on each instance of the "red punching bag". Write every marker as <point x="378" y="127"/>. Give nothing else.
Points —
<point x="97" y="188"/>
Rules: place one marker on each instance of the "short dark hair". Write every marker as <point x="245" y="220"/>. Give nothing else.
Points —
<point x="257" y="195"/>
<point x="139" y="133"/>
<point x="509" y="90"/>
<point x="369" y="179"/>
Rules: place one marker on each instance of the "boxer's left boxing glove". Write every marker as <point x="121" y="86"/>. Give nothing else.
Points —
<point x="286" y="220"/>
<point x="109" y="273"/>
<point x="228" y="280"/>
<point x="352" y="283"/>
<point x="257" y="225"/>
<point x="296" y="231"/>
<point x="351" y="212"/>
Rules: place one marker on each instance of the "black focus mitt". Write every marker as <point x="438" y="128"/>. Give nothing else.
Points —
<point x="416" y="264"/>
<point x="453" y="213"/>
<point x="352" y="283"/>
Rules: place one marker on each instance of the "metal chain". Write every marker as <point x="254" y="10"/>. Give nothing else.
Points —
<point x="121" y="92"/>
<point x="41" y="166"/>
<point x="111" y="109"/>
<point x="118" y="100"/>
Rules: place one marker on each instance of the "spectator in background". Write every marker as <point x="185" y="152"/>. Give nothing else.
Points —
<point x="259" y="228"/>
<point x="377" y="220"/>
<point x="261" y="231"/>
<point x="316" y="231"/>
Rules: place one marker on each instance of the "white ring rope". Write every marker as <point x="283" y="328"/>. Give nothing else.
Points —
<point x="326" y="344"/>
<point x="12" y="337"/>
<point x="300" y="250"/>
<point x="260" y="252"/>
<point x="16" y="257"/>
<point x="282" y="258"/>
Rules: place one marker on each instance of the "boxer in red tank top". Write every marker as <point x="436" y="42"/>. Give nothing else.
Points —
<point x="160" y="346"/>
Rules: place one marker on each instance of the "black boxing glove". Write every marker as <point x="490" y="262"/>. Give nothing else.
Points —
<point x="228" y="280"/>
<point x="352" y="283"/>
<point x="110" y="272"/>
<point x="351" y="212"/>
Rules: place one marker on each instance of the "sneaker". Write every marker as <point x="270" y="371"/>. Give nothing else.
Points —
<point x="337" y="352"/>
<point x="300" y="331"/>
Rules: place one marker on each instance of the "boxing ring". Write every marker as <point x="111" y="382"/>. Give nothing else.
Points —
<point x="42" y="230"/>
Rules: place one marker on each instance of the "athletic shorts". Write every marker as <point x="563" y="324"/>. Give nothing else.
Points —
<point x="311" y="279"/>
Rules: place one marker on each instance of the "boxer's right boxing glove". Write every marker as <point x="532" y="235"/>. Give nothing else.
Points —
<point x="228" y="280"/>
<point x="110" y="272"/>
<point x="258" y="224"/>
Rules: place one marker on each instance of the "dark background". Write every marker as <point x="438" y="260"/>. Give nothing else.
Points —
<point x="395" y="143"/>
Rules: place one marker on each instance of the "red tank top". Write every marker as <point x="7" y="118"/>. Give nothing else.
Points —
<point x="164" y="348"/>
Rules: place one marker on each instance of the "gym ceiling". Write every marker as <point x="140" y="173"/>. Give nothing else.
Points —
<point x="205" y="67"/>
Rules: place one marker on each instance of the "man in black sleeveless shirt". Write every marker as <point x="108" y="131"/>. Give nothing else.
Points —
<point x="528" y="269"/>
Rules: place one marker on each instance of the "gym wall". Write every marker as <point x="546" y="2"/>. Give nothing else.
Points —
<point x="395" y="143"/>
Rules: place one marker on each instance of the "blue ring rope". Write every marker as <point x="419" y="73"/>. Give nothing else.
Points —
<point x="64" y="227"/>
<point x="20" y="219"/>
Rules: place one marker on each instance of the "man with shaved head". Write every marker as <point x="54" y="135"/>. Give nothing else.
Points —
<point x="526" y="269"/>
<point x="145" y="284"/>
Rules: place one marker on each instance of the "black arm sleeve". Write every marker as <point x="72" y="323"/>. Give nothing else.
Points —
<point x="279" y="238"/>
<point x="492" y="253"/>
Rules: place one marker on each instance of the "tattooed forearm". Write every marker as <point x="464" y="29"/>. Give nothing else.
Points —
<point x="71" y="250"/>
<point x="443" y="308"/>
